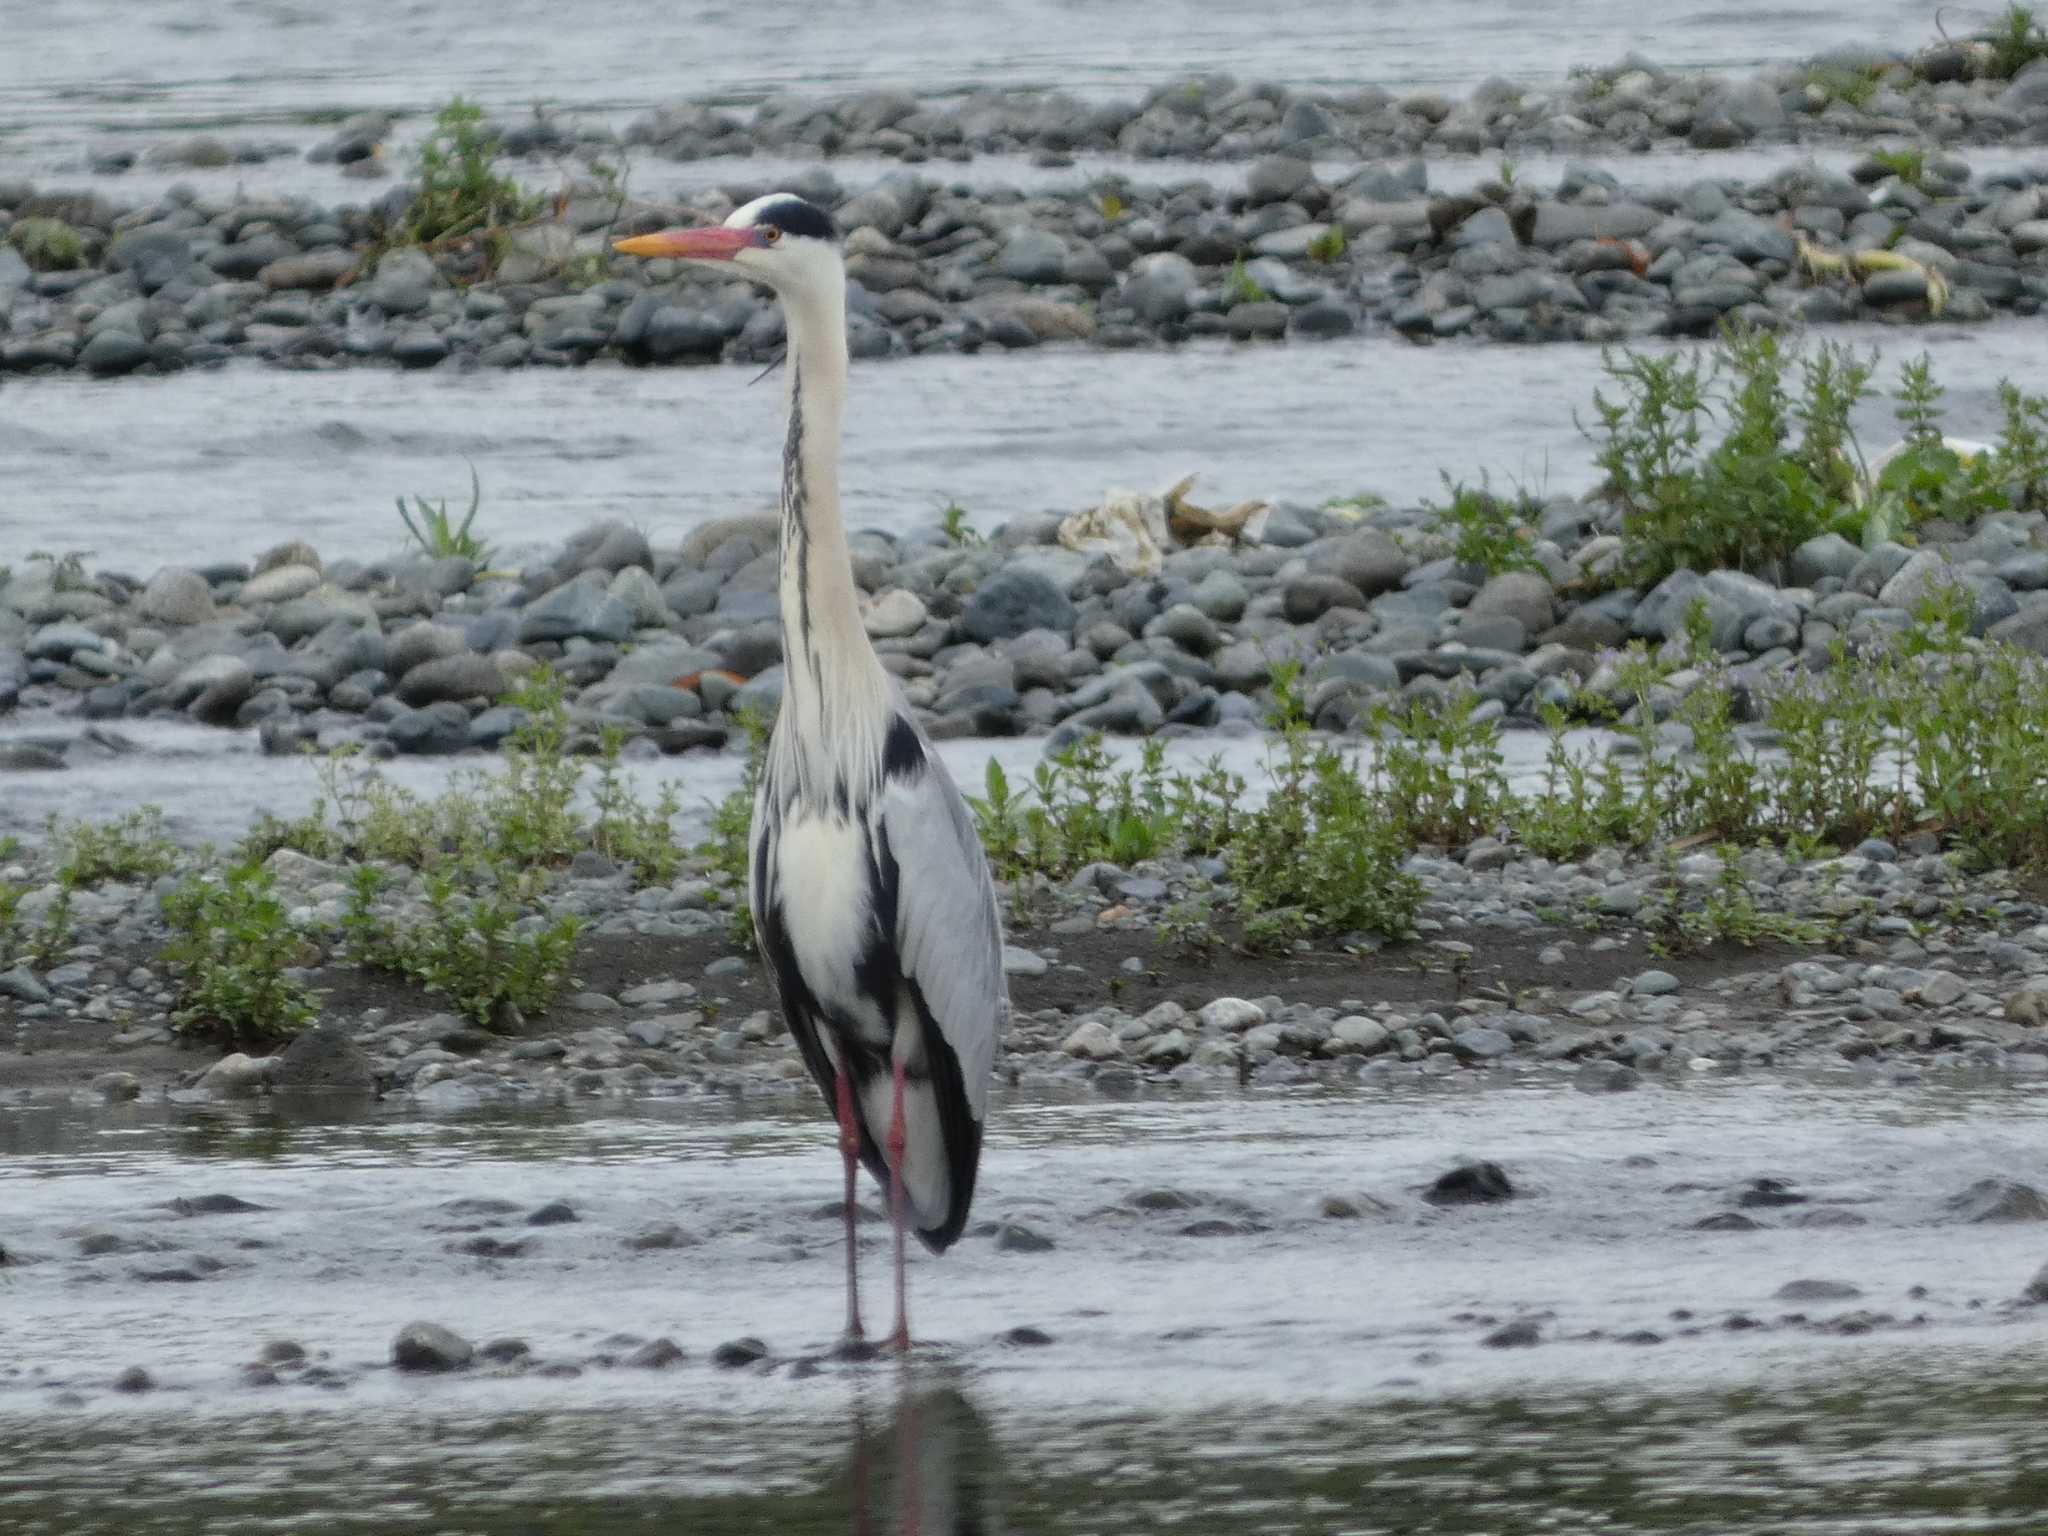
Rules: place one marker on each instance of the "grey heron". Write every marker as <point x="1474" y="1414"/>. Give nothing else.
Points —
<point x="871" y="897"/>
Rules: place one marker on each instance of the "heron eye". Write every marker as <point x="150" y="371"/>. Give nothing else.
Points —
<point x="770" y="234"/>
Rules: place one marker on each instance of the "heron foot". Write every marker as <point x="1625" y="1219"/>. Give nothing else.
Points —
<point x="853" y="1347"/>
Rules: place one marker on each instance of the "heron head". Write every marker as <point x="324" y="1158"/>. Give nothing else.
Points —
<point x="780" y="240"/>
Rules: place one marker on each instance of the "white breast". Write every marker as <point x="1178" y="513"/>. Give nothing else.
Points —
<point x="822" y="879"/>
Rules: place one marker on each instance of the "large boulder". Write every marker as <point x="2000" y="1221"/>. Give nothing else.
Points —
<point x="1522" y="595"/>
<point x="176" y="595"/>
<point x="1013" y="601"/>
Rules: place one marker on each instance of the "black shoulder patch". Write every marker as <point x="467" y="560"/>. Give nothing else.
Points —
<point x="793" y="216"/>
<point x="902" y="752"/>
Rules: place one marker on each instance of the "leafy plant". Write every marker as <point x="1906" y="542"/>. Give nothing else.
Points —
<point x="1240" y="288"/>
<point x="2021" y="459"/>
<point x="229" y="949"/>
<point x="47" y="245"/>
<point x="1726" y="912"/>
<point x="639" y="836"/>
<point x="475" y="945"/>
<point x="1924" y="477"/>
<point x="954" y="525"/>
<point x="460" y="190"/>
<point x="131" y="847"/>
<point x="1080" y="810"/>
<point x="1328" y="247"/>
<point x="1319" y="857"/>
<point x="1439" y="771"/>
<point x="1759" y="492"/>
<point x="1488" y="531"/>
<point x="2016" y="41"/>
<point x="11" y="895"/>
<point x="1855" y="87"/>
<point x="1909" y="165"/>
<point x="438" y="535"/>
<point x="730" y="845"/>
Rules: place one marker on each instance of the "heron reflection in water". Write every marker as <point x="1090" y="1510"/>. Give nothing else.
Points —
<point x="931" y="1470"/>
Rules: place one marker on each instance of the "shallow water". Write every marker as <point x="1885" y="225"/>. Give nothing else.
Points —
<point x="1303" y="1374"/>
<point x="224" y="463"/>
<point x="210" y="783"/>
<point x="72" y="73"/>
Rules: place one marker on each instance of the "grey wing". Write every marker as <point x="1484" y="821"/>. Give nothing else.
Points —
<point x="948" y="937"/>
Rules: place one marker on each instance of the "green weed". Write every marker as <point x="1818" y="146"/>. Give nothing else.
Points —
<point x="47" y="245"/>
<point x="476" y="944"/>
<point x="1438" y="771"/>
<point x="1725" y="912"/>
<point x="1856" y="87"/>
<point x="2021" y="456"/>
<point x="1748" y="499"/>
<point x="729" y="848"/>
<point x="1328" y="247"/>
<point x="1240" y="288"/>
<point x="460" y="190"/>
<point x="131" y="847"/>
<point x="2016" y="41"/>
<point x="439" y="536"/>
<point x="640" y="837"/>
<point x="230" y="946"/>
<point x="1488" y="531"/>
<point x="1909" y="165"/>
<point x="1320" y="857"/>
<point x="954" y="525"/>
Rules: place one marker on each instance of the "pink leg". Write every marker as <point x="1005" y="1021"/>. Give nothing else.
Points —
<point x="849" y="1148"/>
<point x="897" y="1141"/>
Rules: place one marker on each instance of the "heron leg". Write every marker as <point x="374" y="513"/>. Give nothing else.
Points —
<point x="897" y="1142"/>
<point x="849" y="1149"/>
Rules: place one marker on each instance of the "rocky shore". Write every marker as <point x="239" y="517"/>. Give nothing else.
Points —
<point x="1927" y="971"/>
<point x="1042" y="628"/>
<point x="1331" y="228"/>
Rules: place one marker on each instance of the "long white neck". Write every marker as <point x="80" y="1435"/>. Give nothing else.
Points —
<point x="834" y="684"/>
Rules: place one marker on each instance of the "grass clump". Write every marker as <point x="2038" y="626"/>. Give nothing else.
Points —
<point x="1328" y="247"/>
<point x="1318" y="857"/>
<point x="729" y="848"/>
<point x="439" y="536"/>
<point x="1081" y="809"/>
<point x="2022" y="450"/>
<point x="637" y="836"/>
<point x="1909" y="165"/>
<point x="1239" y="287"/>
<point x="47" y="245"/>
<point x="1492" y="532"/>
<point x="483" y="852"/>
<point x="477" y="945"/>
<point x="230" y="947"/>
<point x="1854" y="87"/>
<point x="1724" y="911"/>
<point x="131" y="847"/>
<point x="954" y="525"/>
<point x="1731" y="458"/>
<point x="460" y="191"/>
<point x="2016" y="40"/>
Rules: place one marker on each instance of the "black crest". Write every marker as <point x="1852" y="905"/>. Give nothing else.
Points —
<point x="793" y="216"/>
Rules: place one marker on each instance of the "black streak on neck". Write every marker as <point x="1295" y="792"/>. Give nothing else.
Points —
<point x="796" y="530"/>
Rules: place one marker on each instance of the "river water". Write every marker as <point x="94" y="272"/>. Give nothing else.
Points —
<point x="75" y="70"/>
<point x="1245" y="1363"/>
<point x="222" y="464"/>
